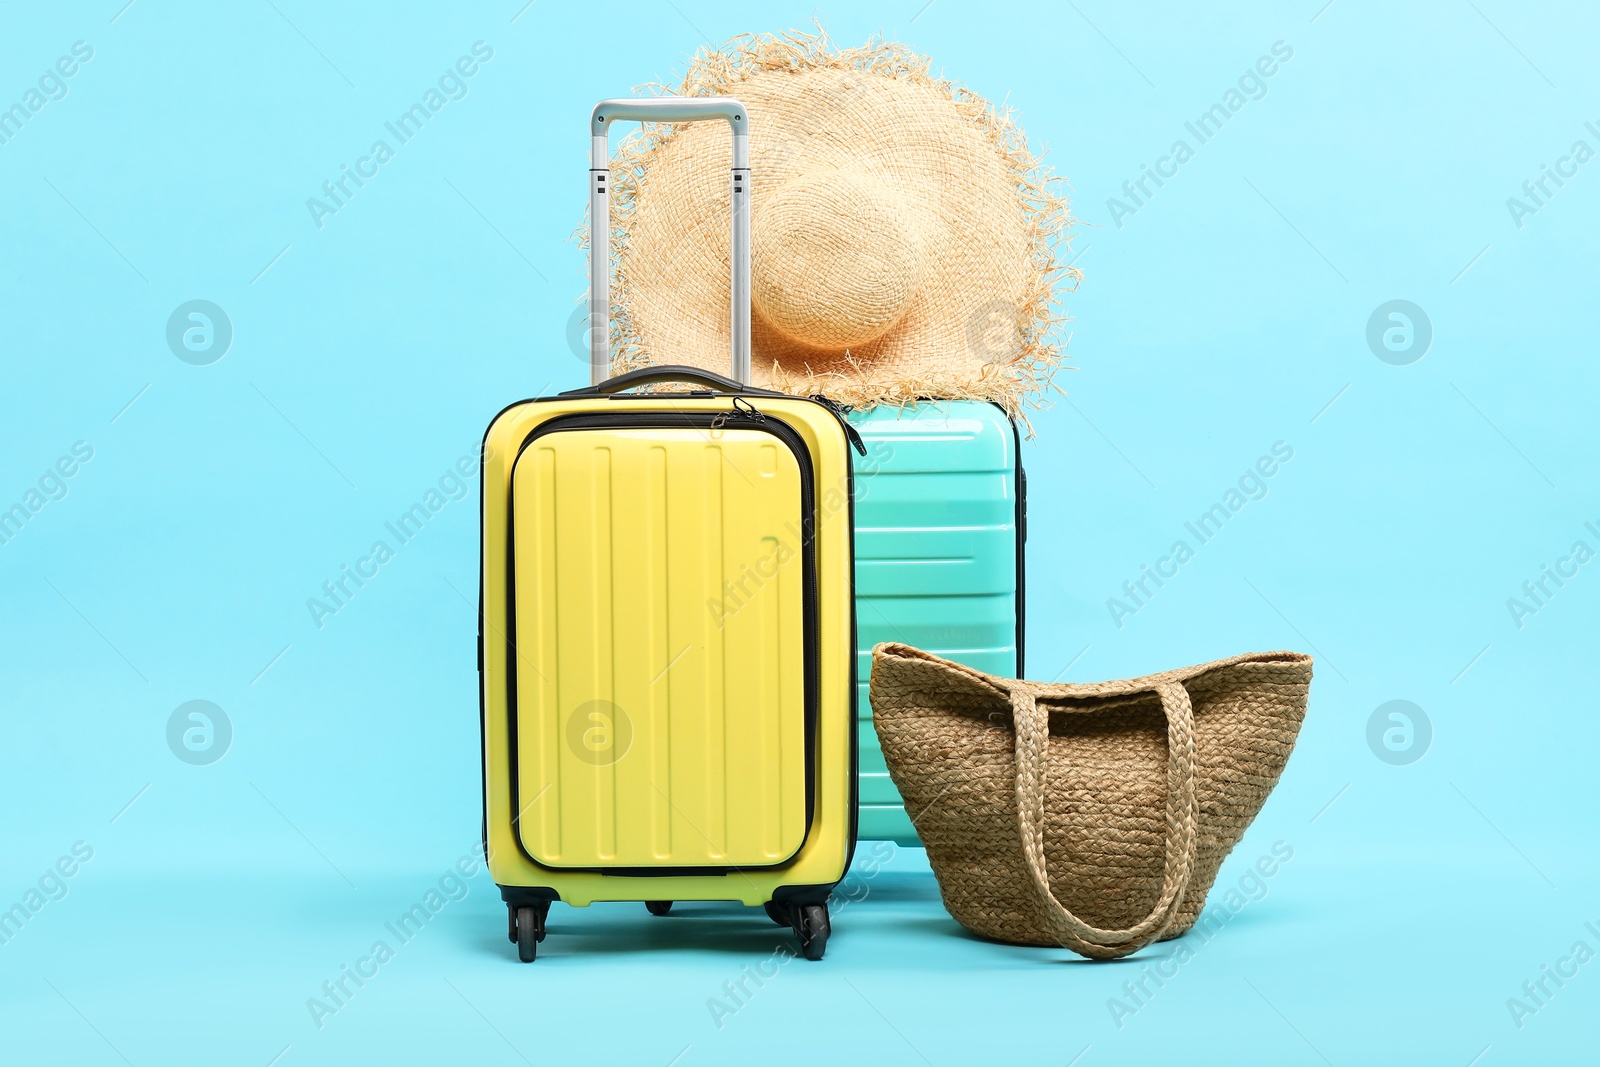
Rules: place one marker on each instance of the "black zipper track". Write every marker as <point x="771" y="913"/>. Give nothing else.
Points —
<point x="675" y="420"/>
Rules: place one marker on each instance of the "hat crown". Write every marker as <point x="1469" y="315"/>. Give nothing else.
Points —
<point x="836" y="261"/>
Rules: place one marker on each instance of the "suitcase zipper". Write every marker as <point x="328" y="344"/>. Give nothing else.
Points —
<point x="743" y="409"/>
<point x="839" y="412"/>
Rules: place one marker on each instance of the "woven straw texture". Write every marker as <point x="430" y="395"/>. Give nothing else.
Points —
<point x="905" y="243"/>
<point x="1092" y="816"/>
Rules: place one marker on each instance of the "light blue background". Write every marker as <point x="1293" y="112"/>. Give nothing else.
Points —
<point x="1227" y="314"/>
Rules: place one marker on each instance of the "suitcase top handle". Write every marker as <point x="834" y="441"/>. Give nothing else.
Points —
<point x="665" y="109"/>
<point x="669" y="373"/>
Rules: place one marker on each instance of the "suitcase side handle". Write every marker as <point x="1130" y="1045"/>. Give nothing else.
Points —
<point x="665" y="109"/>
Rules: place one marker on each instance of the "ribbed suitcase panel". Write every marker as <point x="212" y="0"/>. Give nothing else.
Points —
<point x="936" y="558"/>
<point x="661" y="641"/>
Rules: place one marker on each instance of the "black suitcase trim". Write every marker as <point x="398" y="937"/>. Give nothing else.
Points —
<point x="1021" y="523"/>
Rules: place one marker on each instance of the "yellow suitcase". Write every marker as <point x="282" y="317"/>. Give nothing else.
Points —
<point x="667" y="627"/>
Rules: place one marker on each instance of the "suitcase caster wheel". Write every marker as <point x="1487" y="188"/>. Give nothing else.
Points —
<point x="658" y="907"/>
<point x="511" y="923"/>
<point x="778" y="913"/>
<point x="530" y="930"/>
<point x="811" y="929"/>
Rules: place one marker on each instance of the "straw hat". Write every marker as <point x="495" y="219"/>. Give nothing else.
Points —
<point x="905" y="242"/>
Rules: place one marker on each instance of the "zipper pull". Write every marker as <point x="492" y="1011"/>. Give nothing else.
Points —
<point x="742" y="409"/>
<point x="839" y="412"/>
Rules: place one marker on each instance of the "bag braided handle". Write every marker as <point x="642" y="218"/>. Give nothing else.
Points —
<point x="1032" y="726"/>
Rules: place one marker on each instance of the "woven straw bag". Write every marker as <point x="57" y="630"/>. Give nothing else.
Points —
<point x="1092" y="816"/>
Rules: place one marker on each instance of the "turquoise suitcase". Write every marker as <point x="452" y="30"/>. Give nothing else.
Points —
<point x="941" y="519"/>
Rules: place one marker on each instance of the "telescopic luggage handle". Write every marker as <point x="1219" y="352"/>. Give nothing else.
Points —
<point x="665" y="109"/>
